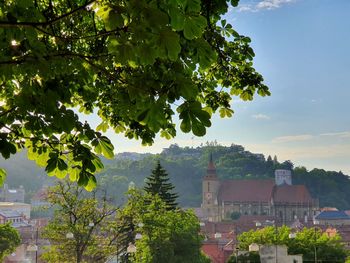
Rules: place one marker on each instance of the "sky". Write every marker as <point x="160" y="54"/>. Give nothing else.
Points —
<point x="302" y="50"/>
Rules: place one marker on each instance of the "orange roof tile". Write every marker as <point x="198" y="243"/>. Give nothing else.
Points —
<point x="292" y="194"/>
<point x="246" y="190"/>
<point x="215" y="253"/>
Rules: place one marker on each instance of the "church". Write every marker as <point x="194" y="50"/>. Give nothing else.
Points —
<point x="278" y="198"/>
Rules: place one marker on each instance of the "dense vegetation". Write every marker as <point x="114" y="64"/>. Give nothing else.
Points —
<point x="186" y="167"/>
<point x="305" y="242"/>
<point x="85" y="228"/>
<point x="9" y="240"/>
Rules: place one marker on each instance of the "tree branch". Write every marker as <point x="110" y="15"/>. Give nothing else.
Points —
<point x="32" y="58"/>
<point x="47" y="23"/>
<point x="7" y="111"/>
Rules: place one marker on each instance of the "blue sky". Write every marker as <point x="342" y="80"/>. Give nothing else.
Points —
<point x="302" y="50"/>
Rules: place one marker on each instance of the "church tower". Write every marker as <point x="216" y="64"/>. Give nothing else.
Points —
<point x="210" y="190"/>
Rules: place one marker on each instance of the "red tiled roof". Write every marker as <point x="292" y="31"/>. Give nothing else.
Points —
<point x="292" y="194"/>
<point x="215" y="253"/>
<point x="246" y="190"/>
<point x="220" y="227"/>
<point x="41" y="194"/>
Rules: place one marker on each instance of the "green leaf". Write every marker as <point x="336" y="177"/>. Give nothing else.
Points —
<point x="51" y="165"/>
<point x="147" y="54"/>
<point x="177" y="19"/>
<point x="205" y="53"/>
<point x="98" y="164"/>
<point x="56" y="166"/>
<point x="7" y="148"/>
<point x="193" y="6"/>
<point x="74" y="174"/>
<point x="234" y="3"/>
<point x="187" y="89"/>
<point x="61" y="165"/>
<point x="2" y="176"/>
<point x="24" y="3"/>
<point x="169" y="43"/>
<point x="103" y="126"/>
<point x="104" y="146"/>
<point x="91" y="183"/>
<point x="224" y="112"/>
<point x="185" y="125"/>
<point x="114" y="20"/>
<point x="166" y="135"/>
<point x="194" y="26"/>
<point x="83" y="179"/>
<point x="198" y="128"/>
<point x="203" y="116"/>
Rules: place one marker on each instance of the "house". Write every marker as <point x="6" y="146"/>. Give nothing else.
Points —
<point x="10" y="216"/>
<point x="278" y="198"/>
<point x="332" y="218"/>
<point x="274" y="253"/>
<point x="21" y="208"/>
<point x="12" y="195"/>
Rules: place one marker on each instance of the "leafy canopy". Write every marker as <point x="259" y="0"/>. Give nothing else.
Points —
<point x="136" y="63"/>
<point x="9" y="240"/>
<point x="329" y="248"/>
<point x="90" y="221"/>
<point x="166" y="235"/>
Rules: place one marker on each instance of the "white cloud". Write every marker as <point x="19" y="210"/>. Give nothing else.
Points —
<point x="272" y="4"/>
<point x="345" y="134"/>
<point x="246" y="8"/>
<point x="292" y="138"/>
<point x="261" y="117"/>
<point x="264" y="5"/>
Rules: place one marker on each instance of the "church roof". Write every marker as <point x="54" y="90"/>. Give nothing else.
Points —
<point x="211" y="165"/>
<point x="292" y="194"/>
<point x="246" y="190"/>
<point x="211" y="170"/>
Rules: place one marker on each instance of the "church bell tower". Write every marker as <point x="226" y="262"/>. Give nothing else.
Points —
<point x="210" y="190"/>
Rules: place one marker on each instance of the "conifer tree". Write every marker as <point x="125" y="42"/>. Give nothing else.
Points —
<point x="158" y="183"/>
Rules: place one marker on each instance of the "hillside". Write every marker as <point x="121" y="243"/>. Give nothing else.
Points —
<point x="186" y="167"/>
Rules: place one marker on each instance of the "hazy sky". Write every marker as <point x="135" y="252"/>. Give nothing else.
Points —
<point x="302" y="50"/>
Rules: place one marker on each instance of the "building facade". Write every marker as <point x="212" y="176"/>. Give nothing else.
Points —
<point x="278" y="198"/>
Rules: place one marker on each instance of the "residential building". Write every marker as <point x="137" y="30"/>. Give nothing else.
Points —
<point x="22" y="208"/>
<point x="332" y="218"/>
<point x="12" y="195"/>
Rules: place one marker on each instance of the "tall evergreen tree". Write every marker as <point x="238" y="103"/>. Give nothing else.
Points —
<point x="158" y="183"/>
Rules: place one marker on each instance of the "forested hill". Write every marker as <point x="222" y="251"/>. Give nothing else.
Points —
<point x="186" y="167"/>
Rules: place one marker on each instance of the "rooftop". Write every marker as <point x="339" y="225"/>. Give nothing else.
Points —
<point x="12" y="204"/>
<point x="246" y="190"/>
<point x="332" y="215"/>
<point x="292" y="193"/>
<point x="9" y="213"/>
